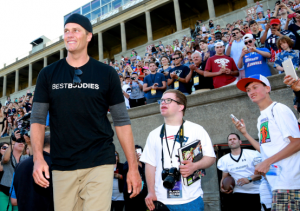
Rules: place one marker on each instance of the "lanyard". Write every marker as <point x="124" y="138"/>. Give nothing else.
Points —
<point x="181" y="139"/>
<point x="153" y="80"/>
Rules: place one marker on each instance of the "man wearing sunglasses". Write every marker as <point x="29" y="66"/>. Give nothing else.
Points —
<point x="180" y="76"/>
<point x="271" y="41"/>
<point x="78" y="91"/>
<point x="172" y="108"/>
<point x="253" y="59"/>
<point x="235" y="47"/>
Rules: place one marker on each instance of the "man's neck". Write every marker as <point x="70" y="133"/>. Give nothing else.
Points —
<point x="265" y="103"/>
<point x="174" y="120"/>
<point x="165" y="66"/>
<point x="77" y="60"/>
<point x="222" y="54"/>
<point x="255" y="32"/>
<point x="153" y="72"/>
<point x="177" y="65"/>
<point x="205" y="50"/>
<point x="236" y="151"/>
<point x="238" y="40"/>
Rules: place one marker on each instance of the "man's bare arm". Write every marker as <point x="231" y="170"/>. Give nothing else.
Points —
<point x="150" y="178"/>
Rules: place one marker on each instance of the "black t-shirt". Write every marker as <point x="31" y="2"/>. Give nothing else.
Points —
<point x="204" y="82"/>
<point x="296" y="30"/>
<point x="81" y="134"/>
<point x="28" y="107"/>
<point x="30" y="195"/>
<point x="182" y="71"/>
<point x="257" y="36"/>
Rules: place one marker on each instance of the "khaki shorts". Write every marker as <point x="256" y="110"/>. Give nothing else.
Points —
<point x="84" y="189"/>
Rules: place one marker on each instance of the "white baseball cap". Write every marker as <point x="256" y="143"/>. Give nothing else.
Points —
<point x="219" y="43"/>
<point x="248" y="37"/>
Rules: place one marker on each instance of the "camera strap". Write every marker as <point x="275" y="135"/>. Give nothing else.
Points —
<point x="163" y="133"/>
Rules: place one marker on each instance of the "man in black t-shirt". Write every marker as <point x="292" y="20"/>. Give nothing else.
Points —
<point x="31" y="196"/>
<point x="180" y="76"/>
<point x="200" y="82"/>
<point x="78" y="91"/>
<point x="256" y="34"/>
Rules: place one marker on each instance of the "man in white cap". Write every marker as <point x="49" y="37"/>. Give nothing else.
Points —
<point x="221" y="67"/>
<point x="254" y="59"/>
<point x="279" y="143"/>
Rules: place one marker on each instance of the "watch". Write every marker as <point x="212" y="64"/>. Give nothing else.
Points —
<point x="250" y="179"/>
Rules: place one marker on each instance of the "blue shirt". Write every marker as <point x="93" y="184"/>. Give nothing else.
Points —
<point x="254" y="63"/>
<point x="284" y="55"/>
<point x="262" y="24"/>
<point x="152" y="79"/>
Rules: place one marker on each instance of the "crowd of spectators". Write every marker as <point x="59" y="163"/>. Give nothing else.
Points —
<point x="212" y="57"/>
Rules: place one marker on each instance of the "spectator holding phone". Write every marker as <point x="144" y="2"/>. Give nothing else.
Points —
<point x="285" y="44"/>
<point x="254" y="59"/>
<point x="154" y="84"/>
<point x="28" y="102"/>
<point x="137" y="95"/>
<point x="165" y="67"/>
<point x="3" y="122"/>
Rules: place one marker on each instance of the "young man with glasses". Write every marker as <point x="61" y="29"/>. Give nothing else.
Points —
<point x="165" y="144"/>
<point x="221" y="67"/>
<point x="180" y="76"/>
<point x="154" y="84"/>
<point x="253" y="59"/>
<point x="82" y="151"/>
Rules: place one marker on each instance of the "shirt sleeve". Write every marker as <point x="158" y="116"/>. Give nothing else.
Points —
<point x="207" y="146"/>
<point x="149" y="153"/>
<point x="286" y="121"/>
<point x="234" y="67"/>
<point x="278" y="61"/>
<point x="42" y="94"/>
<point x="208" y="65"/>
<point x="293" y="37"/>
<point x="115" y="95"/>
<point x="221" y="165"/>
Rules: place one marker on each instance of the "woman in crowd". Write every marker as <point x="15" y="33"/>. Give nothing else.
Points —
<point x="117" y="203"/>
<point x="3" y="148"/>
<point x="127" y="71"/>
<point x="138" y="202"/>
<point x="165" y="66"/>
<point x="20" y="113"/>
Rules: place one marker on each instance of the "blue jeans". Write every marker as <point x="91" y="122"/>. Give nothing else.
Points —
<point x="196" y="205"/>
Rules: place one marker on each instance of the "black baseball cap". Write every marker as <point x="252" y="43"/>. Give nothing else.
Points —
<point x="81" y="20"/>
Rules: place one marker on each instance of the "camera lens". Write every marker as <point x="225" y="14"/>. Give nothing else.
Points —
<point x="169" y="182"/>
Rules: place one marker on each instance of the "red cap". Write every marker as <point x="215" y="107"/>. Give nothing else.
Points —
<point x="275" y="21"/>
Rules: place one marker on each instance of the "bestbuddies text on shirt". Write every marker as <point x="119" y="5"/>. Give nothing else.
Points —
<point x="71" y="86"/>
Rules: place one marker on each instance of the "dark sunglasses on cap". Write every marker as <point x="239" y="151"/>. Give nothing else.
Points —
<point x="250" y="41"/>
<point x="76" y="79"/>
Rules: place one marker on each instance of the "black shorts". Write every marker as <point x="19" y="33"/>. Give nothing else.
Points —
<point x="245" y="202"/>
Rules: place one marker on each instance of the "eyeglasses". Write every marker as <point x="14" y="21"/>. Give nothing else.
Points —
<point x="20" y="111"/>
<point x="168" y="101"/>
<point x="176" y="58"/>
<point x="4" y="147"/>
<point x="76" y="79"/>
<point x="246" y="27"/>
<point x="250" y="41"/>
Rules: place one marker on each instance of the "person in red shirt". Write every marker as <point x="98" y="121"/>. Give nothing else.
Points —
<point x="222" y="68"/>
<point x="139" y="70"/>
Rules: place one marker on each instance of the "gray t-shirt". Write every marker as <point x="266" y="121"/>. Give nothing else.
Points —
<point x="136" y="92"/>
<point x="9" y="171"/>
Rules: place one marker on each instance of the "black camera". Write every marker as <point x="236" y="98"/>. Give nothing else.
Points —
<point x="170" y="177"/>
<point x="23" y="130"/>
<point x="22" y="133"/>
<point x="133" y="78"/>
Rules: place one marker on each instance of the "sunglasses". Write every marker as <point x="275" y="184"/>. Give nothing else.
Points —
<point x="20" y="111"/>
<point x="176" y="58"/>
<point x="4" y="147"/>
<point x="76" y="79"/>
<point x="250" y="41"/>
